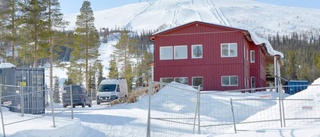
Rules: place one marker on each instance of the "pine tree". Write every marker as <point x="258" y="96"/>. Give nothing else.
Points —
<point x="86" y="44"/>
<point x="34" y="31"/>
<point x="124" y="52"/>
<point x="8" y="27"/>
<point x="55" y="20"/>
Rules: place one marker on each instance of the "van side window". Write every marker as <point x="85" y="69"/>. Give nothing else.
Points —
<point x="118" y="88"/>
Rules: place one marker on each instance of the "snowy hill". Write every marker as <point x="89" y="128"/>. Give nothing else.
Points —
<point x="247" y="14"/>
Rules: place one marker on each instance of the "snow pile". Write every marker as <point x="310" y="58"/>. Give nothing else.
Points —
<point x="6" y="65"/>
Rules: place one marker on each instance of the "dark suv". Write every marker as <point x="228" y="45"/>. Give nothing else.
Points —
<point x="80" y="96"/>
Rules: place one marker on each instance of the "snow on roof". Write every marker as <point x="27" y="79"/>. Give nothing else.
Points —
<point x="258" y="41"/>
<point x="6" y="65"/>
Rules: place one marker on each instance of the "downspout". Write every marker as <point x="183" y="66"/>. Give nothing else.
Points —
<point x="243" y="67"/>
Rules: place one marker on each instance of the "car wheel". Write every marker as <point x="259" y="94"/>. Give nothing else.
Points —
<point x="83" y="105"/>
<point x="65" y="106"/>
<point x="98" y="103"/>
<point x="73" y="106"/>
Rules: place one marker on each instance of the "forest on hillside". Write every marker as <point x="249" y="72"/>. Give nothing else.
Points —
<point x="301" y="55"/>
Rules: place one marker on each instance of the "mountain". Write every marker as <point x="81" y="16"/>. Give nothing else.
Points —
<point x="246" y="14"/>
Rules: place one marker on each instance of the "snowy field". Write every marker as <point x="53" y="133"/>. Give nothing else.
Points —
<point x="130" y="120"/>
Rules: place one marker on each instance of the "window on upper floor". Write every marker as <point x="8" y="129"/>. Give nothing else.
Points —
<point x="197" y="51"/>
<point x="229" y="50"/>
<point x="252" y="60"/>
<point x="180" y="52"/>
<point x="166" y="53"/>
<point x="229" y="80"/>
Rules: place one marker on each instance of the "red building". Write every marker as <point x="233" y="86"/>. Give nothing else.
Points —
<point x="218" y="57"/>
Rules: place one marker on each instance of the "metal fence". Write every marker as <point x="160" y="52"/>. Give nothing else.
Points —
<point x="22" y="105"/>
<point x="179" y="109"/>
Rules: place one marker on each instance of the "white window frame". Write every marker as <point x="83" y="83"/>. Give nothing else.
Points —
<point x="180" y="78"/>
<point x="229" y="84"/>
<point x="197" y="45"/>
<point x="201" y="87"/>
<point x="229" y="49"/>
<point x="166" y="58"/>
<point x="186" y="52"/>
<point x="252" y="56"/>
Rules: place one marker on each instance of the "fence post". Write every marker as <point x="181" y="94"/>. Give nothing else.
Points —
<point x="149" y="109"/>
<point x="2" y="122"/>
<point x="71" y="100"/>
<point x="233" y="118"/>
<point x="198" y="106"/>
<point x="21" y="101"/>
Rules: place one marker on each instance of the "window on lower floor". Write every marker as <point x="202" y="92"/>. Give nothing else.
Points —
<point x="182" y="80"/>
<point x="229" y="80"/>
<point x="196" y="81"/>
<point x="166" y="80"/>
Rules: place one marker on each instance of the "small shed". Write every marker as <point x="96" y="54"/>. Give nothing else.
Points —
<point x="293" y="86"/>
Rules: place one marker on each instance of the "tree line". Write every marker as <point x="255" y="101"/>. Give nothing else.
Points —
<point x="301" y="55"/>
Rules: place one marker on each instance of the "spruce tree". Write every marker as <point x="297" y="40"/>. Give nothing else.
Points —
<point x="56" y="94"/>
<point x="113" y="68"/>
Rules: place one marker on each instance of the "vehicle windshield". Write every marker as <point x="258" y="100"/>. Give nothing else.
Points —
<point x="107" y="88"/>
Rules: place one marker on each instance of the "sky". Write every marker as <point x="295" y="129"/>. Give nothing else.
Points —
<point x="73" y="6"/>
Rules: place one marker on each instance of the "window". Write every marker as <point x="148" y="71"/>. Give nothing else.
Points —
<point x="229" y="50"/>
<point x="196" y="81"/>
<point x="180" y="52"/>
<point x="182" y="80"/>
<point x="197" y="51"/>
<point x="166" y="53"/>
<point x="229" y="80"/>
<point x="166" y="80"/>
<point x="252" y="56"/>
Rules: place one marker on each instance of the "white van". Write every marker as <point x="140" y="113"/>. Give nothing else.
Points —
<point x="112" y="89"/>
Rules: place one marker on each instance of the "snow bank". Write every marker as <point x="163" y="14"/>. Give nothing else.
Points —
<point x="6" y="65"/>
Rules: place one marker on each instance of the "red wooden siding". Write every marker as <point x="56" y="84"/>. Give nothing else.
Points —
<point x="211" y="66"/>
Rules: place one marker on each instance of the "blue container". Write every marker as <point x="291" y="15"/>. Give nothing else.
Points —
<point x="293" y="86"/>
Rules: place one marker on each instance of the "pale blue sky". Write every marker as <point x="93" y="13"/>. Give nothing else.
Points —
<point x="73" y="6"/>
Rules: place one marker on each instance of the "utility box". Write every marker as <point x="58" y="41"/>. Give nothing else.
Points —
<point x="23" y="89"/>
<point x="293" y="86"/>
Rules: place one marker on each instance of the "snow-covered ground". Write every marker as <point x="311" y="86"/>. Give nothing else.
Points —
<point x="130" y="120"/>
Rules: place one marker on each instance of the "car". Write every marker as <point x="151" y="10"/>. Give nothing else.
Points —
<point x="80" y="96"/>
